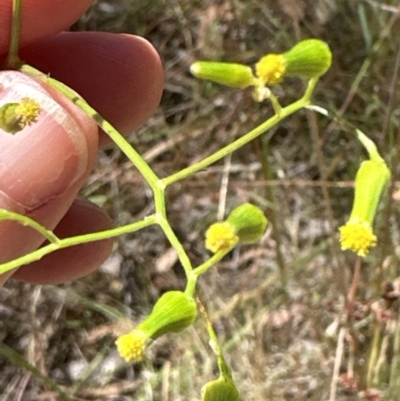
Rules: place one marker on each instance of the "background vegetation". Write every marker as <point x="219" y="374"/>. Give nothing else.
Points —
<point x="279" y="307"/>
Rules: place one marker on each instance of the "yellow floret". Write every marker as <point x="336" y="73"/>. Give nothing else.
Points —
<point x="220" y="236"/>
<point x="358" y="237"/>
<point x="271" y="69"/>
<point x="27" y="111"/>
<point x="131" y="346"/>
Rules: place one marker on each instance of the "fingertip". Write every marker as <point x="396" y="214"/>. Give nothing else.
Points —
<point x="40" y="18"/>
<point x="120" y="76"/>
<point x="46" y="158"/>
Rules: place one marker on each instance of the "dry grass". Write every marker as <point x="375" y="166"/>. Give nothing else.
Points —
<point x="278" y="307"/>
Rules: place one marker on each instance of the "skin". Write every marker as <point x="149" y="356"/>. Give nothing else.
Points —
<point x="122" y="78"/>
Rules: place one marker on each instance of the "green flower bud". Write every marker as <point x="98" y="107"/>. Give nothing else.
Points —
<point x="309" y="58"/>
<point x="249" y="223"/>
<point x="16" y="116"/>
<point x="230" y="74"/>
<point x="246" y="224"/>
<point x="371" y="180"/>
<point x="172" y="313"/>
<point x="222" y="389"/>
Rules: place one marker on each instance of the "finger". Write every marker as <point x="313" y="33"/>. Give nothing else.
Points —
<point x="40" y="18"/>
<point x="120" y="76"/>
<point x="43" y="166"/>
<point x="71" y="263"/>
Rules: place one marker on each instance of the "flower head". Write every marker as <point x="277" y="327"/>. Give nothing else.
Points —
<point x="221" y="236"/>
<point x="246" y="224"/>
<point x="371" y="180"/>
<point x="271" y="69"/>
<point x="172" y="313"/>
<point x="16" y="116"/>
<point x="131" y="346"/>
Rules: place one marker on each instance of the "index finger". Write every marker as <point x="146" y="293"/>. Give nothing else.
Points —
<point x="40" y="18"/>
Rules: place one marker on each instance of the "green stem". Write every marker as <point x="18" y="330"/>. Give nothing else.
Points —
<point x="194" y="274"/>
<point x="27" y="221"/>
<point x="199" y="270"/>
<point x="275" y="104"/>
<point x="13" y="61"/>
<point x="214" y="344"/>
<point x="77" y="240"/>
<point x="155" y="183"/>
<point x="176" y="244"/>
<point x="265" y="126"/>
<point x="112" y="132"/>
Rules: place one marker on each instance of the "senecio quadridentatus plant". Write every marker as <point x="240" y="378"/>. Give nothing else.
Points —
<point x="246" y="224"/>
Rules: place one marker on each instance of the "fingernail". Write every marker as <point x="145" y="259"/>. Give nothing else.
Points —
<point x="42" y="160"/>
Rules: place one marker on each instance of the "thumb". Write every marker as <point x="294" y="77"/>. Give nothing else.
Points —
<point x="43" y="165"/>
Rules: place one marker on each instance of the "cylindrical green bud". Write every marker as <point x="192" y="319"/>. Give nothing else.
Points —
<point x="173" y="312"/>
<point x="371" y="180"/>
<point x="309" y="58"/>
<point x="222" y="389"/>
<point x="249" y="223"/>
<point x="230" y="74"/>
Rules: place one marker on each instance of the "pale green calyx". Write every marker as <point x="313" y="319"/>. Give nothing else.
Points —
<point x="249" y="223"/>
<point x="172" y="313"/>
<point x="309" y="58"/>
<point x="221" y="389"/>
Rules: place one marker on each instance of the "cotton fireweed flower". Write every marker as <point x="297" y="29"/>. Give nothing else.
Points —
<point x="371" y="180"/>
<point x="16" y="116"/>
<point x="309" y="58"/>
<point x="172" y="313"/>
<point x="246" y="224"/>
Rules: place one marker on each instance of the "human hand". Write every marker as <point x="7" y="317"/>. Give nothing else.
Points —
<point x="43" y="166"/>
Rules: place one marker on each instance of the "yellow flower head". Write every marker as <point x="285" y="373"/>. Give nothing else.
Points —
<point x="27" y="111"/>
<point x="173" y="312"/>
<point x="131" y="346"/>
<point x="371" y="180"/>
<point x="16" y="116"/>
<point x="271" y="69"/>
<point x="357" y="236"/>
<point x="221" y="236"/>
